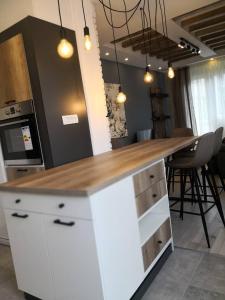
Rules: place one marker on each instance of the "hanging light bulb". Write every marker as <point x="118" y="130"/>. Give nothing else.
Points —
<point x="121" y="97"/>
<point x="87" y="39"/>
<point x="148" y="77"/>
<point x="65" y="48"/>
<point x="171" y="73"/>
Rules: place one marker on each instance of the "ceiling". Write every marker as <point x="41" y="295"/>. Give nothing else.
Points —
<point x="174" y="9"/>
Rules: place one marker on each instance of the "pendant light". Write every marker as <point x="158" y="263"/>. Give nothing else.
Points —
<point x="121" y="97"/>
<point x="171" y="73"/>
<point x="64" y="48"/>
<point x="87" y="38"/>
<point x="148" y="77"/>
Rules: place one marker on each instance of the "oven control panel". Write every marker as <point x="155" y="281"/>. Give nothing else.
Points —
<point x="16" y="110"/>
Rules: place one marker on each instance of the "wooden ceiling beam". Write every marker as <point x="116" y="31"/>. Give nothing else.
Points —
<point x="219" y="48"/>
<point x="157" y="50"/>
<point x="127" y="37"/>
<point x="218" y="40"/>
<point x="167" y="53"/>
<point x="206" y="24"/>
<point x="158" y="46"/>
<point x="157" y="41"/>
<point x="136" y="40"/>
<point x="213" y="36"/>
<point x="209" y="30"/>
<point x="202" y="17"/>
<point x="217" y="44"/>
<point x="171" y="56"/>
<point x="181" y="58"/>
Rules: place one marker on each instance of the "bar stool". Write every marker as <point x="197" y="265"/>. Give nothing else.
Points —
<point x="213" y="163"/>
<point x="189" y="166"/>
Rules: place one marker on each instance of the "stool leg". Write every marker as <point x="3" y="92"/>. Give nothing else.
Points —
<point x="182" y="191"/>
<point x="173" y="180"/>
<point x="195" y="176"/>
<point x="221" y="179"/>
<point x="169" y="180"/>
<point x="216" y="196"/>
<point x="192" y="187"/>
<point x="204" y="184"/>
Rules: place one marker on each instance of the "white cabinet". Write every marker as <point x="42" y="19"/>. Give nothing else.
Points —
<point x="30" y="254"/>
<point x="73" y="259"/>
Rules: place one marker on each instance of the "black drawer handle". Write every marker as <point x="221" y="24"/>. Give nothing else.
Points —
<point x="17" y="201"/>
<point x="61" y="205"/>
<point x="64" y="223"/>
<point x="152" y="176"/>
<point x="160" y="242"/>
<point x="16" y="215"/>
<point x="154" y="195"/>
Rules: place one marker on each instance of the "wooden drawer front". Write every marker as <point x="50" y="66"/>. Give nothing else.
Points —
<point x="148" y="198"/>
<point x="156" y="243"/>
<point x="148" y="177"/>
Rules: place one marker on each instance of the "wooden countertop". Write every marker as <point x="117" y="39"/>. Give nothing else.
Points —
<point x="89" y="175"/>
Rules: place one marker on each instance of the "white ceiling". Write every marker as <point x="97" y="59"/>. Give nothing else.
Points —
<point x="174" y="8"/>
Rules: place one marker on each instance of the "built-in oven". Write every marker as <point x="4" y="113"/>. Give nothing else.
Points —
<point x="19" y="135"/>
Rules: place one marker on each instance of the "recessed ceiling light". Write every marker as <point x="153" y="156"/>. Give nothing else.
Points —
<point x="160" y="68"/>
<point x="107" y="54"/>
<point x="211" y="58"/>
<point x="126" y="58"/>
<point x="149" y="65"/>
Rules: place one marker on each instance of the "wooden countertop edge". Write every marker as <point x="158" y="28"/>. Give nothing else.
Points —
<point x="94" y="189"/>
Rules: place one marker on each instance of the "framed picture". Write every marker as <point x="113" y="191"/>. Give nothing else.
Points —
<point x="116" y="112"/>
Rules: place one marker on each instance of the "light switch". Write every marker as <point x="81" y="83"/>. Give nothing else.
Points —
<point x="70" y="119"/>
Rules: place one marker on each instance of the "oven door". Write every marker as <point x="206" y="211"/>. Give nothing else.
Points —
<point x="20" y="141"/>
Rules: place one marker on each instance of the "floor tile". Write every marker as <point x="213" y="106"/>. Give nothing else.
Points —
<point x="194" y="293"/>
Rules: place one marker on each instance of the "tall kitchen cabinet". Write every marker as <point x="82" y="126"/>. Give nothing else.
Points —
<point x="30" y="68"/>
<point x="14" y="75"/>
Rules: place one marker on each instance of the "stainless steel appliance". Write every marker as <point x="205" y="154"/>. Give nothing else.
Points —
<point x="19" y="135"/>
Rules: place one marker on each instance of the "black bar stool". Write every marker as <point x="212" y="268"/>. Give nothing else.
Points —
<point x="188" y="167"/>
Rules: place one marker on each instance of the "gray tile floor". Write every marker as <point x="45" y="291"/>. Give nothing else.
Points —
<point x="187" y="275"/>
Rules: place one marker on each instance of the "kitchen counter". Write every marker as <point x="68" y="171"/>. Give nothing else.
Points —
<point x="92" y="229"/>
<point x="87" y="176"/>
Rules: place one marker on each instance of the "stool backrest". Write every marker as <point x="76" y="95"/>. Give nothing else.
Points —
<point x="218" y="140"/>
<point x="180" y="132"/>
<point x="205" y="148"/>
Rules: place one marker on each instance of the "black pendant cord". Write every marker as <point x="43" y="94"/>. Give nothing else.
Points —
<point x="162" y="18"/>
<point x="150" y="25"/>
<point x="85" y="22"/>
<point x="121" y="11"/>
<point x="143" y="34"/>
<point x="126" y="18"/>
<point x="115" y="48"/>
<point x="62" y="31"/>
<point x="123" y="24"/>
<point x="166" y="27"/>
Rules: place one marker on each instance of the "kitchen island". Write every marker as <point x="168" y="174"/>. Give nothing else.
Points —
<point x="92" y="229"/>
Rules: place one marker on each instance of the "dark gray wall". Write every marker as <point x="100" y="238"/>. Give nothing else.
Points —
<point x="57" y="90"/>
<point x="137" y="106"/>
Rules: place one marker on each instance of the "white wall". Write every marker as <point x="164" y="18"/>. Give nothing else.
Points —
<point x="12" y="11"/>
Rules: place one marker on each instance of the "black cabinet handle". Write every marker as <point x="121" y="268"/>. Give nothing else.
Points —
<point x="64" y="223"/>
<point x="17" y="201"/>
<point x="154" y="195"/>
<point x="16" y="215"/>
<point x="61" y="205"/>
<point x="159" y="242"/>
<point x="151" y="176"/>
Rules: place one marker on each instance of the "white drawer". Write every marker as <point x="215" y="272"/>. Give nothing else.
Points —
<point x="57" y="205"/>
